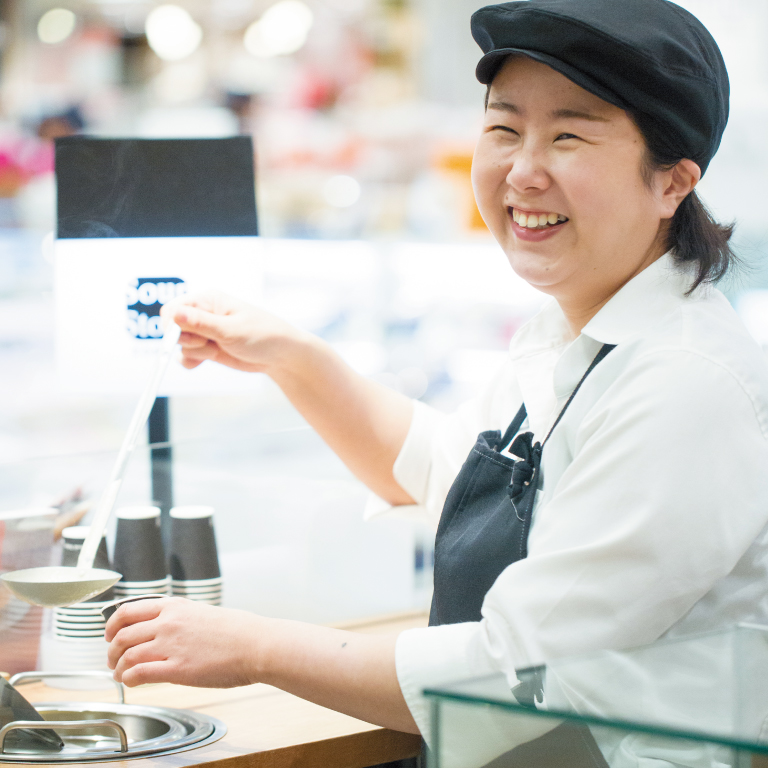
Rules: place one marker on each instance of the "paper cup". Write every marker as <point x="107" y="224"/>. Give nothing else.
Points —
<point x="192" y="554"/>
<point x="197" y="582"/>
<point x="72" y="542"/>
<point x="110" y="608"/>
<point x="139" y="554"/>
<point x="70" y="622"/>
<point x="123" y="584"/>
<point x="78" y="633"/>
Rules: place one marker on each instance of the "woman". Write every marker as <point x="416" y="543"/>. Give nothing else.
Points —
<point x="644" y="514"/>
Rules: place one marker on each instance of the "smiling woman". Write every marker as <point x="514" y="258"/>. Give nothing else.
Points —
<point x="550" y="149"/>
<point x="577" y="502"/>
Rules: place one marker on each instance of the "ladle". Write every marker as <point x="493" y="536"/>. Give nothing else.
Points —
<point x="57" y="586"/>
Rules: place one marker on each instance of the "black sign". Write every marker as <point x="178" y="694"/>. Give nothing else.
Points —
<point x="155" y="187"/>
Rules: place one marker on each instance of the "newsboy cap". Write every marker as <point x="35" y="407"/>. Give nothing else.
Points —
<point x="647" y="56"/>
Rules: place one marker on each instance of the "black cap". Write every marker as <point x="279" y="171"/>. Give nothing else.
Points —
<point x="648" y="56"/>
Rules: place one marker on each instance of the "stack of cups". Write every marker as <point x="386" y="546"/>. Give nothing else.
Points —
<point x="82" y="620"/>
<point x="193" y="559"/>
<point x="139" y="554"/>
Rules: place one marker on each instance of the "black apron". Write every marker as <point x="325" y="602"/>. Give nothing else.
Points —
<point x="483" y="529"/>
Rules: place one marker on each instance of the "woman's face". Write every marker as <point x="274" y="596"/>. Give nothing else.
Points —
<point x="553" y="151"/>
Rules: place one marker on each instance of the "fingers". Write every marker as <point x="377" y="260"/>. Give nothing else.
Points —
<point x="132" y="613"/>
<point x="201" y="314"/>
<point x="191" y="340"/>
<point x="197" y="322"/>
<point x="149" y="671"/>
<point x="151" y="650"/>
<point x="193" y="355"/>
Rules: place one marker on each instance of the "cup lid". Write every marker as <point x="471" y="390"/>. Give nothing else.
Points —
<point x="191" y="512"/>
<point x="76" y="532"/>
<point x="137" y="513"/>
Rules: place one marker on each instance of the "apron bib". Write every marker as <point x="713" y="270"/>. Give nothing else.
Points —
<point x="483" y="529"/>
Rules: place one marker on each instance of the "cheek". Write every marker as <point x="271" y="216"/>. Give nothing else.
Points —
<point x="488" y="175"/>
<point x="608" y="191"/>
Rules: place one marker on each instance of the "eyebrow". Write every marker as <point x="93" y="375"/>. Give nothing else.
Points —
<point x="573" y="114"/>
<point x="577" y="115"/>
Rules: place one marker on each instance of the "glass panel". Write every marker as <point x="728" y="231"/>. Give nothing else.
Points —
<point x="288" y="520"/>
<point x="699" y="701"/>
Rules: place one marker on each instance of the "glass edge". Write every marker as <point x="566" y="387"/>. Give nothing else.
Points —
<point x="616" y="724"/>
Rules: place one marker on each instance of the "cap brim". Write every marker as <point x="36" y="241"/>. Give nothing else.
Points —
<point x="490" y="64"/>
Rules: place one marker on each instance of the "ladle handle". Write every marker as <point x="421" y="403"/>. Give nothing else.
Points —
<point x="140" y="416"/>
<point x="63" y="725"/>
<point x="28" y="677"/>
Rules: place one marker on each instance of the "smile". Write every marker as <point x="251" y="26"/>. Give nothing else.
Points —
<point x="537" y="220"/>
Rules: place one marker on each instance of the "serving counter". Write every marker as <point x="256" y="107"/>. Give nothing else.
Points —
<point x="266" y="728"/>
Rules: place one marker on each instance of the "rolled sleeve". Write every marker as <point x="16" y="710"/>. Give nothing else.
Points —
<point x="414" y="462"/>
<point x="471" y="736"/>
<point x="434" y="656"/>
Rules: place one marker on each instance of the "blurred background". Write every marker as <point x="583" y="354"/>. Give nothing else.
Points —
<point x="364" y="115"/>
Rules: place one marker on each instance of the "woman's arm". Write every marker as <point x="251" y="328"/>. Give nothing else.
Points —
<point x="178" y="641"/>
<point x="364" y="422"/>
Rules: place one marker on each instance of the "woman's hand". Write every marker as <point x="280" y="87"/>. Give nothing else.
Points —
<point x="171" y="640"/>
<point x="218" y="327"/>
<point x="179" y="641"/>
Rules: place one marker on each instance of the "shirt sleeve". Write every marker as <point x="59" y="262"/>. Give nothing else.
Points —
<point x="665" y="493"/>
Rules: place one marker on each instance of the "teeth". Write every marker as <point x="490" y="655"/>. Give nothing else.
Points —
<point x="533" y="220"/>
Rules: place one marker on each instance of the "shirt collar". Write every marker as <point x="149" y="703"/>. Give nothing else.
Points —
<point x="649" y="296"/>
<point x="549" y="362"/>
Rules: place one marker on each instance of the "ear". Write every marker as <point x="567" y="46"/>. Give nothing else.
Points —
<point x="679" y="182"/>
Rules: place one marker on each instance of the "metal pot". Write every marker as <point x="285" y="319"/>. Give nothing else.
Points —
<point x="97" y="732"/>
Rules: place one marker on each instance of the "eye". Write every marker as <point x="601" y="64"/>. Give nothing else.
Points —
<point x="564" y="136"/>
<point x="504" y="128"/>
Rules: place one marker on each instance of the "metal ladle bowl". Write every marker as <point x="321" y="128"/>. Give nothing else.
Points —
<point x="58" y="586"/>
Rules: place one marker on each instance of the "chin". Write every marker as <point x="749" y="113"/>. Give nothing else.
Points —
<point x="538" y="271"/>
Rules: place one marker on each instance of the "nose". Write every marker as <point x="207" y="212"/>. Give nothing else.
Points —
<point x="528" y="171"/>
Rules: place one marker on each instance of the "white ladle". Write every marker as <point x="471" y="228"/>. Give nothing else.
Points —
<point x="57" y="586"/>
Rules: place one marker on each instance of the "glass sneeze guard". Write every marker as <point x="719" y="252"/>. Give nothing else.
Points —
<point x="698" y="702"/>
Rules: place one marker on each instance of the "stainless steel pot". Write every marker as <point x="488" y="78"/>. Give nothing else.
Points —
<point x="99" y="732"/>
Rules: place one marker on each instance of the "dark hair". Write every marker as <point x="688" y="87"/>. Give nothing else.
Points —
<point x="693" y="236"/>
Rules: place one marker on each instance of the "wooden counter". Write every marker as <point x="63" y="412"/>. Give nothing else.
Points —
<point x="267" y="728"/>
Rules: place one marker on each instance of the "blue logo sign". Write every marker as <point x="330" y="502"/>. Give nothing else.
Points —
<point x="144" y="297"/>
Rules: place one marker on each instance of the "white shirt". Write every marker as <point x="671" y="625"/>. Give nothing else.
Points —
<point x="651" y="519"/>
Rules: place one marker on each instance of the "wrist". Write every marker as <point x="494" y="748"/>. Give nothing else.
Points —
<point x="296" y="356"/>
<point x="261" y="646"/>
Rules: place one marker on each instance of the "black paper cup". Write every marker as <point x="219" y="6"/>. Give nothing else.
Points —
<point x="110" y="608"/>
<point x="197" y="591"/>
<point x="72" y="543"/>
<point x="204" y="583"/>
<point x="193" y="555"/>
<point x="139" y="554"/>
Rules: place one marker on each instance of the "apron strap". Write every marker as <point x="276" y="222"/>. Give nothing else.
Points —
<point x="599" y="357"/>
<point x="517" y="422"/>
<point x="512" y="429"/>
